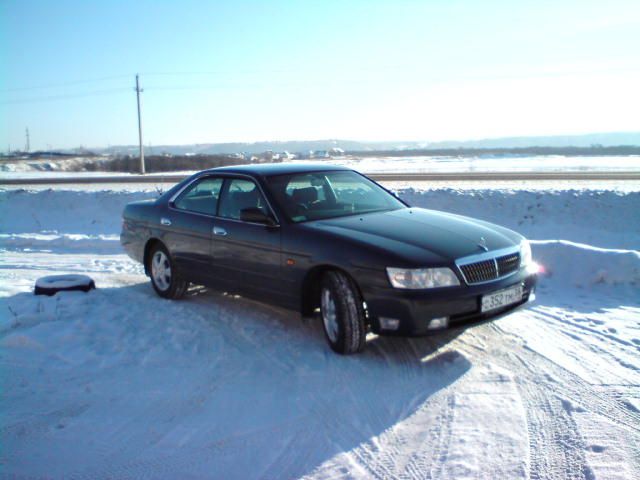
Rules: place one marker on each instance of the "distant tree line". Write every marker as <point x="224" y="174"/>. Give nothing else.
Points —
<point x="172" y="163"/>
<point x="161" y="163"/>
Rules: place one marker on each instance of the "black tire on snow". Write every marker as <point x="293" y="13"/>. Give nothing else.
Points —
<point x="177" y="285"/>
<point x="63" y="283"/>
<point x="350" y="315"/>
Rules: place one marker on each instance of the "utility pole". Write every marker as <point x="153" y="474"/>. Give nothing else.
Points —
<point x="138" y="90"/>
<point x="27" y="146"/>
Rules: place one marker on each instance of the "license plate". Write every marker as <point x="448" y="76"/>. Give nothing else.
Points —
<point x="501" y="298"/>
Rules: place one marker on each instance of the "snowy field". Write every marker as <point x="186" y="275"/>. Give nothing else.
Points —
<point x="417" y="164"/>
<point x="491" y="163"/>
<point x="119" y="383"/>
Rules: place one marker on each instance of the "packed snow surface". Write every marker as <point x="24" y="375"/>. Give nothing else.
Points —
<point x="119" y="383"/>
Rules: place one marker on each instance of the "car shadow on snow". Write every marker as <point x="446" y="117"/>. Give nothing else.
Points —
<point x="254" y="390"/>
<point x="304" y="405"/>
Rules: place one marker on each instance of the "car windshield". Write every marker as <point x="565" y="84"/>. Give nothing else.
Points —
<point x="330" y="194"/>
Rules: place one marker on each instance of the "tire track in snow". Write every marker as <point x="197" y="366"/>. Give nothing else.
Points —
<point x="17" y="437"/>
<point x="215" y="459"/>
<point x="625" y="356"/>
<point x="396" y="447"/>
<point x="557" y="447"/>
<point x="443" y="426"/>
<point x="561" y="382"/>
<point x="386" y="455"/>
<point x="411" y="453"/>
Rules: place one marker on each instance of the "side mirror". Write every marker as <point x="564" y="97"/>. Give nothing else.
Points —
<point x="255" y="215"/>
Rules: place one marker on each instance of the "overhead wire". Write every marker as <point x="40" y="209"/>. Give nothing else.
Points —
<point x="64" y="84"/>
<point x="68" y="96"/>
<point x="293" y="83"/>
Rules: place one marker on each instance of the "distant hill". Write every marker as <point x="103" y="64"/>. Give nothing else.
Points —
<point x="260" y="147"/>
<point x="600" y="139"/>
<point x="595" y="139"/>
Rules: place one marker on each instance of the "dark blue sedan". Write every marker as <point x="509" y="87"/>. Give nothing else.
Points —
<point x="312" y="236"/>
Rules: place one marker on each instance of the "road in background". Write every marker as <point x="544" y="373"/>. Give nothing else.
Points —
<point x="69" y="178"/>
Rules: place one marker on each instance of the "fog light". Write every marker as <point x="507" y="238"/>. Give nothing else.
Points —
<point x="440" y="322"/>
<point x="389" y="323"/>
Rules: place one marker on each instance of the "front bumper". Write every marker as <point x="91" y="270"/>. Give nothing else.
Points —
<point x="462" y="305"/>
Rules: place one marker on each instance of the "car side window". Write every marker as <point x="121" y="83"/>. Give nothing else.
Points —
<point x="201" y="197"/>
<point x="240" y="194"/>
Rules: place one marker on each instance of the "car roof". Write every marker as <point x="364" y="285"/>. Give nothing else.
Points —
<point x="268" y="169"/>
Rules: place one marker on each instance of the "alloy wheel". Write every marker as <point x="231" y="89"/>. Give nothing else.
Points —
<point x="161" y="271"/>
<point x="329" y="315"/>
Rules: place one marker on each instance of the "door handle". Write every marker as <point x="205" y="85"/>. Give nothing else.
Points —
<point x="219" y="231"/>
<point x="165" y="221"/>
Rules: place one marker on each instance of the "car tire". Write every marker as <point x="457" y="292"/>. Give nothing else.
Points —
<point x="165" y="279"/>
<point x="342" y="313"/>
<point x="63" y="283"/>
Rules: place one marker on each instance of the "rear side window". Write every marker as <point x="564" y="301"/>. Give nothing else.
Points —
<point x="201" y="197"/>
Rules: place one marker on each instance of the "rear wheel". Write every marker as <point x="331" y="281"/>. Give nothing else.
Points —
<point x="165" y="279"/>
<point x="342" y="313"/>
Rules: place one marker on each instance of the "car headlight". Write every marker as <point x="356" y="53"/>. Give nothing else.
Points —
<point x="525" y="254"/>
<point x="419" y="278"/>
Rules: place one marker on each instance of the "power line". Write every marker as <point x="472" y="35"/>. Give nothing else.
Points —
<point x="292" y="83"/>
<point x="374" y="68"/>
<point x="116" y="77"/>
<point x="220" y="72"/>
<point x="206" y="87"/>
<point x="64" y="84"/>
<point x="62" y="97"/>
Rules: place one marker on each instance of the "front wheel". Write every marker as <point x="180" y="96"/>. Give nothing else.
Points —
<point x="342" y="313"/>
<point x="164" y="277"/>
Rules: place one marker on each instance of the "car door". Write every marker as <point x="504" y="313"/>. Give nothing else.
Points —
<point x="190" y="220"/>
<point x="247" y="255"/>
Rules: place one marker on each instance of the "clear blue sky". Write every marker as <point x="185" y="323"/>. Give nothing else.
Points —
<point x="220" y="71"/>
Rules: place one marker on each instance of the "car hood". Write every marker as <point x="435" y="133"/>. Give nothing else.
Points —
<point x="445" y="236"/>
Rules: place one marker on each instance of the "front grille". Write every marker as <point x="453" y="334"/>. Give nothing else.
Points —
<point x="508" y="264"/>
<point x="491" y="269"/>
<point x="480" y="271"/>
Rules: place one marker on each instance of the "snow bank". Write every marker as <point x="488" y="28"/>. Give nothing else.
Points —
<point x="601" y="218"/>
<point x="73" y="164"/>
<point x="68" y="241"/>
<point x="582" y="265"/>
<point x="580" y="237"/>
<point x="59" y="212"/>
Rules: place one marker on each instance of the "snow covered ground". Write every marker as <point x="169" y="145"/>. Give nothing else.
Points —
<point x="119" y="383"/>
<point x="491" y="163"/>
<point x="414" y="164"/>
